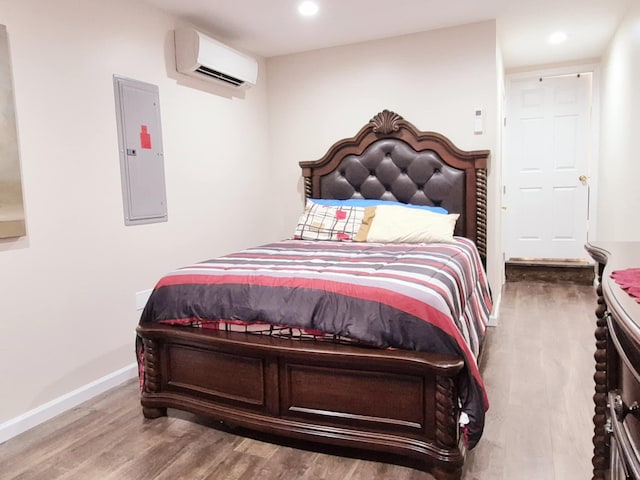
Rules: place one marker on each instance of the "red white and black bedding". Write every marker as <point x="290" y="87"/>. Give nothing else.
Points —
<point x="424" y="297"/>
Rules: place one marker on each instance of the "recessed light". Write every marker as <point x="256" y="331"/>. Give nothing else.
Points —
<point x="308" y="8"/>
<point x="557" y="37"/>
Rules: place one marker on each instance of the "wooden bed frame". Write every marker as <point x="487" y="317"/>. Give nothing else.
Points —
<point x="391" y="405"/>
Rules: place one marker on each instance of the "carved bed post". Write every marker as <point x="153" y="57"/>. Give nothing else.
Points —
<point x="308" y="190"/>
<point x="600" y="460"/>
<point x="446" y="425"/>
<point x="481" y="212"/>
<point x="152" y="378"/>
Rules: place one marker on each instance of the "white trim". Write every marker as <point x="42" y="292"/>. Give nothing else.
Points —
<point x="568" y="69"/>
<point x="41" y="414"/>
<point x="594" y="158"/>
<point x="495" y="313"/>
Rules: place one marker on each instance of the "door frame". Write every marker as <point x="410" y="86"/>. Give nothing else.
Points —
<point x="593" y="160"/>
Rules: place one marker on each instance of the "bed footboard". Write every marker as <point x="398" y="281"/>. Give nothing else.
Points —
<point x="396" y="403"/>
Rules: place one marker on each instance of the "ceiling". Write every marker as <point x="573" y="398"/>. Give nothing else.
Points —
<point x="273" y="27"/>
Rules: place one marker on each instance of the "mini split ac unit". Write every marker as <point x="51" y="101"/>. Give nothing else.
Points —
<point x="203" y="57"/>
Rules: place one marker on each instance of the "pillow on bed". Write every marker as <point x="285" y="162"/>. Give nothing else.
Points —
<point x="393" y="224"/>
<point x="320" y="222"/>
<point x="368" y="202"/>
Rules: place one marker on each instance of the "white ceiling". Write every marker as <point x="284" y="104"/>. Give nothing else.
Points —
<point x="273" y="27"/>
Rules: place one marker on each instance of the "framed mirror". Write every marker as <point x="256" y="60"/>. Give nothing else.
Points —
<point x="12" y="221"/>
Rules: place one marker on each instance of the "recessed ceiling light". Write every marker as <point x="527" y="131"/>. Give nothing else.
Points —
<point x="308" y="8"/>
<point x="557" y="37"/>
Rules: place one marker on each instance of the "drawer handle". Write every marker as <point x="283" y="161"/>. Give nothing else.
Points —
<point x="622" y="410"/>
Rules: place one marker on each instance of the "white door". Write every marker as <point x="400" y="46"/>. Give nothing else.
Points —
<point x="546" y="190"/>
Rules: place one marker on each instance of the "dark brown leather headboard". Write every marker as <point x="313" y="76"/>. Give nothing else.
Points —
<point x="390" y="159"/>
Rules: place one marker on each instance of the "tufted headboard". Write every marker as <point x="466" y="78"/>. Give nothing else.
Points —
<point x="390" y="159"/>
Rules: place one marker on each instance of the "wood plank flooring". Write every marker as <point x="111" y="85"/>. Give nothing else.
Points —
<point x="538" y="368"/>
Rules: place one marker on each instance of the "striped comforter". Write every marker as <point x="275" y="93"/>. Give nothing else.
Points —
<point x="425" y="297"/>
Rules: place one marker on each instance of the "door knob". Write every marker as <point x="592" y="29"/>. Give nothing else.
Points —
<point x="582" y="178"/>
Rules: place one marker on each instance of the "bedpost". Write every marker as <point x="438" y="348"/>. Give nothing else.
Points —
<point x="308" y="188"/>
<point x="600" y="458"/>
<point x="152" y="377"/>
<point x="447" y="426"/>
<point x="481" y="213"/>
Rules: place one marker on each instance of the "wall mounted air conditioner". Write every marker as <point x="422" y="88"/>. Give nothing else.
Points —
<point x="203" y="57"/>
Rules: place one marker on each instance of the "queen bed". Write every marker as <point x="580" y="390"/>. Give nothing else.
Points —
<point x="338" y="337"/>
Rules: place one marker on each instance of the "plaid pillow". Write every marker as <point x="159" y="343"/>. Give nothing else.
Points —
<point x="320" y="222"/>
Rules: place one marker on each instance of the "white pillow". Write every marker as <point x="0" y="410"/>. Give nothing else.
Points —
<point x="394" y="224"/>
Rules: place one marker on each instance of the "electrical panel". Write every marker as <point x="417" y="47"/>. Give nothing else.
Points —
<point x="141" y="155"/>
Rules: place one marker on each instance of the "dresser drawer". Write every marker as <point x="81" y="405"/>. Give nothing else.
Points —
<point x="624" y="401"/>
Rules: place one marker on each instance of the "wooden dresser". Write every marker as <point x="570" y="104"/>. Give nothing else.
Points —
<point x="616" y="440"/>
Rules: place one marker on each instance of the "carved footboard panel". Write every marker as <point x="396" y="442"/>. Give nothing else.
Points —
<point x="397" y="403"/>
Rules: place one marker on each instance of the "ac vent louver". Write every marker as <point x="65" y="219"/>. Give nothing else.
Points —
<point x="220" y="76"/>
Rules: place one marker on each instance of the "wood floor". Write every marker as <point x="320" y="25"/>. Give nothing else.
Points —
<point x="537" y="367"/>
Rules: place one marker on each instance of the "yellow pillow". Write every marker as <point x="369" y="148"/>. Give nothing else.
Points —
<point x="396" y="224"/>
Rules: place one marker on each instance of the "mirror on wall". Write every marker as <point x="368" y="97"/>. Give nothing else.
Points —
<point x="12" y="222"/>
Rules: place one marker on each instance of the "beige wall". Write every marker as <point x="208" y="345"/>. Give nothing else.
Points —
<point x="433" y="79"/>
<point x="67" y="304"/>
<point x="619" y="172"/>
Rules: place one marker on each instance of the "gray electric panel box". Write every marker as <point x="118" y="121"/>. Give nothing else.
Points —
<point x="141" y="156"/>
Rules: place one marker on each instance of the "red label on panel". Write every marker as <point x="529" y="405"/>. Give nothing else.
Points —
<point x="145" y="137"/>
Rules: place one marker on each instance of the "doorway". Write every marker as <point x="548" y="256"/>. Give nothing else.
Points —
<point x="547" y="180"/>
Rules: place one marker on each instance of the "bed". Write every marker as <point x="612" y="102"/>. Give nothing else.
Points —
<point x="417" y="399"/>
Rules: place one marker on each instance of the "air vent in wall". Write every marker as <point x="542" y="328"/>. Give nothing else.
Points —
<point x="221" y="76"/>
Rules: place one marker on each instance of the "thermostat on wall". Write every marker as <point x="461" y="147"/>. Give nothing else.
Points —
<point x="477" y="121"/>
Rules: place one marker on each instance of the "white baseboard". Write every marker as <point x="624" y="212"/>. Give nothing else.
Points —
<point x="41" y="414"/>
<point x="495" y="314"/>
